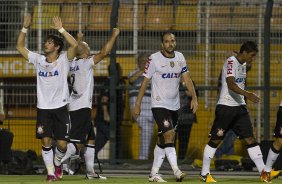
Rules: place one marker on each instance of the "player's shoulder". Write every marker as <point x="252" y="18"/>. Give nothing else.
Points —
<point x="177" y="53"/>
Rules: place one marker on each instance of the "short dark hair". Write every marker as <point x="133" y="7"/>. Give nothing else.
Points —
<point x="163" y="34"/>
<point x="58" y="41"/>
<point x="249" y="46"/>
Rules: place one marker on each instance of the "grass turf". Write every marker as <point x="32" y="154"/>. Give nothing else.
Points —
<point x="79" y="179"/>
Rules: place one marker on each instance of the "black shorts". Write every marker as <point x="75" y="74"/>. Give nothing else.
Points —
<point x="81" y="126"/>
<point x="236" y="118"/>
<point x="53" y="123"/>
<point x="165" y="119"/>
<point x="278" y="127"/>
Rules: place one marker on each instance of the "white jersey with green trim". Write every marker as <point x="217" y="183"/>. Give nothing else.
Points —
<point x="82" y="83"/>
<point x="52" y="85"/>
<point x="232" y="67"/>
<point x="165" y="74"/>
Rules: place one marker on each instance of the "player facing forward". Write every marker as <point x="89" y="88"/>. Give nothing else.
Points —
<point x="231" y="111"/>
<point x="165" y="68"/>
<point x="52" y="93"/>
<point x="82" y="81"/>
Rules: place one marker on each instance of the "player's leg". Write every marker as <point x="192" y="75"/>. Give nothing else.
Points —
<point x="77" y="133"/>
<point x="244" y="130"/>
<point x="275" y="147"/>
<point x="44" y="132"/>
<point x="224" y="116"/>
<point x="61" y="134"/>
<point x="159" y="152"/>
<point x="159" y="156"/>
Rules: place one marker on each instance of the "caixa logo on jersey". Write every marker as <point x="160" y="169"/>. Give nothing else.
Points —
<point x="170" y="75"/>
<point x="239" y="80"/>
<point x="48" y="74"/>
<point x="73" y="69"/>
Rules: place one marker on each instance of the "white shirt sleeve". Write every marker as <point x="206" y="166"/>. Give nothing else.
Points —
<point x="33" y="57"/>
<point x="184" y="65"/>
<point x="229" y="67"/>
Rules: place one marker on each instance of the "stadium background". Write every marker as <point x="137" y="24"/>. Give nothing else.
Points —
<point x="206" y="32"/>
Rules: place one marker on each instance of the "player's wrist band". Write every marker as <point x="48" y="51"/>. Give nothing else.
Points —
<point x="24" y="30"/>
<point x="61" y="30"/>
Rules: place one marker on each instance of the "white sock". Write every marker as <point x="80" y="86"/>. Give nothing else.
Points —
<point x="58" y="156"/>
<point x="256" y="156"/>
<point x="208" y="156"/>
<point x="47" y="155"/>
<point x="271" y="158"/>
<point x="171" y="157"/>
<point x="89" y="159"/>
<point x="70" y="151"/>
<point x="159" y="156"/>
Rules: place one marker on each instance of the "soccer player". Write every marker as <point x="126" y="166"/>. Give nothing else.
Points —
<point x="275" y="148"/>
<point x="231" y="112"/>
<point x="52" y="93"/>
<point x="145" y="120"/>
<point x="165" y="69"/>
<point x="82" y="81"/>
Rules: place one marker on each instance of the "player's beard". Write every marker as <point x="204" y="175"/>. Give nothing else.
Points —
<point x="169" y="51"/>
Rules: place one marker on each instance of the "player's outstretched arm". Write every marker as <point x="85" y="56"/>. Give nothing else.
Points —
<point x="58" y="25"/>
<point x="21" y="39"/>
<point x="191" y="89"/>
<point x="136" y="111"/>
<point x="107" y="47"/>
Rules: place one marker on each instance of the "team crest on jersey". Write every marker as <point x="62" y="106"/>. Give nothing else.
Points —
<point x="220" y="132"/>
<point x="172" y="64"/>
<point x="166" y="123"/>
<point x="180" y="64"/>
<point x="40" y="130"/>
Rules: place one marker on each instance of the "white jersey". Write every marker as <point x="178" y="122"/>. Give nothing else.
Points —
<point x="82" y="81"/>
<point x="232" y="67"/>
<point x="52" y="85"/>
<point x="165" y="73"/>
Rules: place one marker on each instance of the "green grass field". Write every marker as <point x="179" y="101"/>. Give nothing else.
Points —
<point x="79" y="179"/>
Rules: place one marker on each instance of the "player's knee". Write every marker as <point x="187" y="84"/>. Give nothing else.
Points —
<point x="62" y="145"/>
<point x="214" y="143"/>
<point x="278" y="144"/>
<point x="169" y="136"/>
<point x="250" y="140"/>
<point x="46" y="142"/>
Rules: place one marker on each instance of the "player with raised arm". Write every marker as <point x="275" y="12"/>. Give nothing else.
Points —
<point x="52" y="93"/>
<point x="165" y="68"/>
<point x="82" y="82"/>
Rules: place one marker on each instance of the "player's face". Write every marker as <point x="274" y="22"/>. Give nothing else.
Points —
<point x="169" y="43"/>
<point x="249" y="57"/>
<point x="50" y="47"/>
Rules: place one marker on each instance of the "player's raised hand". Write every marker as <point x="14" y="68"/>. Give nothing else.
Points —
<point x="253" y="97"/>
<point x="79" y="36"/>
<point x="27" y="20"/>
<point x="116" y="31"/>
<point x="57" y="23"/>
<point x="136" y="111"/>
